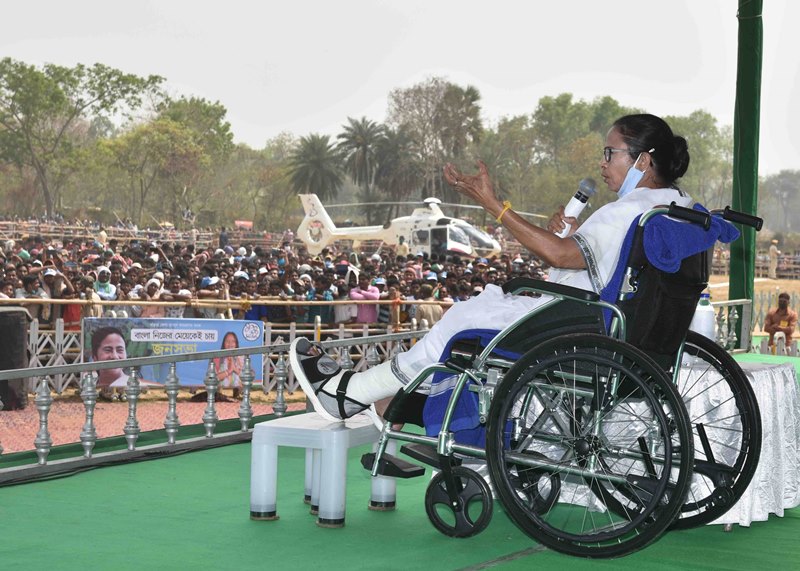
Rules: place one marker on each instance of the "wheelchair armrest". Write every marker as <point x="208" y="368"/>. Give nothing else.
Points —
<point x="517" y="284"/>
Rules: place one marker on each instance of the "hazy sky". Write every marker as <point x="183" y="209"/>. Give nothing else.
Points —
<point x="304" y="66"/>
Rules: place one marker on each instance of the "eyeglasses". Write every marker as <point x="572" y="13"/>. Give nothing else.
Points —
<point x="608" y="150"/>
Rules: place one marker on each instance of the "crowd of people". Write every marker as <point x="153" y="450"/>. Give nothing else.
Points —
<point x="138" y="270"/>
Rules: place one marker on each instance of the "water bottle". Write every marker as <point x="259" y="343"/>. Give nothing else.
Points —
<point x="704" y="322"/>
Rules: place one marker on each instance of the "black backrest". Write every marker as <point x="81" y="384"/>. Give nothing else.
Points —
<point x="659" y="313"/>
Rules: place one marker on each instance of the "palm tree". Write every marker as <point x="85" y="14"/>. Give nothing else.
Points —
<point x="459" y="124"/>
<point x="459" y="119"/>
<point x="315" y="167"/>
<point x="400" y="171"/>
<point x="358" y="143"/>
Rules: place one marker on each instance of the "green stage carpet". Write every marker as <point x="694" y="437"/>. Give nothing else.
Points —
<point x="191" y="512"/>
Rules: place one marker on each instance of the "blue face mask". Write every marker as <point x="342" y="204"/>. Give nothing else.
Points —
<point x="632" y="178"/>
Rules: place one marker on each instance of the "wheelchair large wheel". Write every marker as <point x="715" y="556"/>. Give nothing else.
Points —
<point x="726" y="425"/>
<point x="589" y="446"/>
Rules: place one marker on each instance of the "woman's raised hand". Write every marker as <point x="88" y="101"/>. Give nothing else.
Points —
<point x="478" y="187"/>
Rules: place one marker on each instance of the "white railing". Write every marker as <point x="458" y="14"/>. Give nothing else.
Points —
<point x="52" y="347"/>
<point x="730" y="314"/>
<point x="354" y="353"/>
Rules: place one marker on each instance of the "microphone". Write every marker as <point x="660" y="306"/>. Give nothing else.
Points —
<point x="577" y="203"/>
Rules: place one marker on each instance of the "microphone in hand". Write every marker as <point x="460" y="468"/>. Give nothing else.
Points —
<point x="576" y="204"/>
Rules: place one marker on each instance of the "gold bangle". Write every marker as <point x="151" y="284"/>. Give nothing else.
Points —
<point x="506" y="208"/>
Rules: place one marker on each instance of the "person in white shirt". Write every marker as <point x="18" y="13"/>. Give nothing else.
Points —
<point x="344" y="313"/>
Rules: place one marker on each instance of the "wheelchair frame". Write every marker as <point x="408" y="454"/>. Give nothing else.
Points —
<point x="457" y="486"/>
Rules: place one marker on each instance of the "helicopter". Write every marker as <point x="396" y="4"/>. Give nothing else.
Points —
<point x="427" y="229"/>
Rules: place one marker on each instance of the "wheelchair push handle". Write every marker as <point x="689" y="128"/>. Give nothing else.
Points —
<point x="742" y="218"/>
<point x="690" y="215"/>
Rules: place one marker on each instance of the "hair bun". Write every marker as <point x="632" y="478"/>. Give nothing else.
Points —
<point x="680" y="157"/>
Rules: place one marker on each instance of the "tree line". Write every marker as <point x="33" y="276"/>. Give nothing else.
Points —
<point x="93" y="141"/>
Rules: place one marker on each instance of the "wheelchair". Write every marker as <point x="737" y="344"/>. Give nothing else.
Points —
<point x="602" y="423"/>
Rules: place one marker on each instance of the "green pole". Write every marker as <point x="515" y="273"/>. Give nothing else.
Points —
<point x="745" y="143"/>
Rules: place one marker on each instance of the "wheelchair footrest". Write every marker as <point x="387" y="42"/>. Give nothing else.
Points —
<point x="426" y="454"/>
<point x="392" y="466"/>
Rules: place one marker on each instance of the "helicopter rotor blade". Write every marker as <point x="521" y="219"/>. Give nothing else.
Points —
<point x="421" y="204"/>
<point x="348" y="205"/>
<point x="531" y="214"/>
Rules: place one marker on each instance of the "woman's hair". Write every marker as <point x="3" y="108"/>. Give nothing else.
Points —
<point x="100" y="335"/>
<point x="643" y="132"/>
<point x="229" y="334"/>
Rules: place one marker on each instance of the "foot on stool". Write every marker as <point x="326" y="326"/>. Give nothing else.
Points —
<point x="323" y="381"/>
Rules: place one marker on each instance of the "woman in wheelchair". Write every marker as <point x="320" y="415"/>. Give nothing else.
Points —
<point x="641" y="162"/>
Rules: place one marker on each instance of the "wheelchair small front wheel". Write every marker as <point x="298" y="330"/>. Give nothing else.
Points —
<point x="471" y="509"/>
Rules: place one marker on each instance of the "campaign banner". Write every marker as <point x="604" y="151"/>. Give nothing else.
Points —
<point x="107" y="338"/>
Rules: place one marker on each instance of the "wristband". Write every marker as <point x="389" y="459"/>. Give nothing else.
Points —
<point x="506" y="208"/>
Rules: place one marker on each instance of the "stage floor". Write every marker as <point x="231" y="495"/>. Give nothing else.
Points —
<point x="192" y="512"/>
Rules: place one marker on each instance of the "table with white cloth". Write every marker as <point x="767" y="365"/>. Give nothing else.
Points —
<point x="776" y="482"/>
<point x="775" y="486"/>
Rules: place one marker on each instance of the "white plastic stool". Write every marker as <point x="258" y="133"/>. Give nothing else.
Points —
<point x="326" y="447"/>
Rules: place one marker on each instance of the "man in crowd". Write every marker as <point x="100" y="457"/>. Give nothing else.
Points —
<point x="402" y="247"/>
<point x="367" y="313"/>
<point x="430" y="313"/>
<point x="57" y="286"/>
<point x="781" y="321"/>
<point x="278" y="313"/>
<point x="773" y="260"/>
<point x="103" y="286"/>
<point x="175" y="293"/>
<point x="31" y="289"/>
